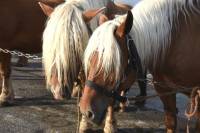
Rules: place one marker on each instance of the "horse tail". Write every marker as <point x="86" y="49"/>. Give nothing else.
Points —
<point x="64" y="41"/>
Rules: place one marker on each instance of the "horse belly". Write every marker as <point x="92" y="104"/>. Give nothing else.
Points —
<point x="8" y="24"/>
<point x="183" y="63"/>
<point x="22" y="25"/>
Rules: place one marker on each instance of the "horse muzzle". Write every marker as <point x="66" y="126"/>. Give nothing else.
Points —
<point x="95" y="118"/>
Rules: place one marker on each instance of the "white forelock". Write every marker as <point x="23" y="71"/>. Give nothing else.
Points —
<point x="65" y="38"/>
<point x="104" y="42"/>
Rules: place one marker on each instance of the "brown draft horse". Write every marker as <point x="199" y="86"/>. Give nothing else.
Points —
<point x="166" y="35"/>
<point x="64" y="41"/>
<point x="134" y="66"/>
<point x="65" y="37"/>
<point x="21" y="26"/>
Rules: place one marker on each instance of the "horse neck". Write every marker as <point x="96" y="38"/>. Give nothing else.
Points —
<point x="153" y="27"/>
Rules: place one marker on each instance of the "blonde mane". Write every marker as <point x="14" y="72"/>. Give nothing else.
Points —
<point x="64" y="40"/>
<point x="104" y="42"/>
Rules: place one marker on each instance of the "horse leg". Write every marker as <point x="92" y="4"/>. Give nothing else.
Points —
<point x="84" y="125"/>
<point x="169" y="102"/>
<point x="124" y="86"/>
<point x="76" y="88"/>
<point x="122" y="105"/>
<point x="142" y="83"/>
<point x="5" y="70"/>
<point x="79" y="84"/>
<point x="110" y="122"/>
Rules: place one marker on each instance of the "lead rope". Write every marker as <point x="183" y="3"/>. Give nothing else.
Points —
<point x="188" y="128"/>
<point x="78" y="111"/>
<point x="191" y="113"/>
<point x="194" y="106"/>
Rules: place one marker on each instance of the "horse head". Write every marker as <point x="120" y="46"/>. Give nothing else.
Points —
<point x="105" y="58"/>
<point x="65" y="37"/>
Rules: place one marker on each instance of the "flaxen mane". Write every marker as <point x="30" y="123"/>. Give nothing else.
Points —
<point x="109" y="53"/>
<point x="65" y="38"/>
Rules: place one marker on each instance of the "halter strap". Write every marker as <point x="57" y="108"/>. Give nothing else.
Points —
<point x="112" y="94"/>
<point x="134" y="58"/>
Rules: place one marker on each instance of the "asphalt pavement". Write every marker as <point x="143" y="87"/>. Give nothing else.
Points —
<point x="35" y="110"/>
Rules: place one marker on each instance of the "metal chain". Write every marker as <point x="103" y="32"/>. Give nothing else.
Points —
<point x="161" y="84"/>
<point x="20" y="54"/>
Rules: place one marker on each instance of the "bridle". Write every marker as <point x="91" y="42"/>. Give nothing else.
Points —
<point x="102" y="90"/>
<point x="133" y="63"/>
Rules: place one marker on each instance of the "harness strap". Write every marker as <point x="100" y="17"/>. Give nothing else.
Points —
<point x="102" y="90"/>
<point x="134" y="58"/>
<point x="132" y="62"/>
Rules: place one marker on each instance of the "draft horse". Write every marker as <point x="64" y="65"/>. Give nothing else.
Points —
<point x="21" y="26"/>
<point x="166" y="36"/>
<point x="64" y="41"/>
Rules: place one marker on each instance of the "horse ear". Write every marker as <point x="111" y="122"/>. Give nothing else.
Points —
<point x="90" y="14"/>
<point x="126" y="26"/>
<point x="102" y="19"/>
<point x="46" y="8"/>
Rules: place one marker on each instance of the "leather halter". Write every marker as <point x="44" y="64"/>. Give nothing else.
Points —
<point x="134" y="62"/>
<point x="101" y="90"/>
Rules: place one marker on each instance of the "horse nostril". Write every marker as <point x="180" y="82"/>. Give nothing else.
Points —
<point x="90" y="114"/>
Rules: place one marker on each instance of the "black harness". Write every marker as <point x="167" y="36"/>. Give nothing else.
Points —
<point x="101" y="90"/>
<point x="133" y="63"/>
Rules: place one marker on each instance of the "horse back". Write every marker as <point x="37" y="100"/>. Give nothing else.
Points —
<point x="21" y="25"/>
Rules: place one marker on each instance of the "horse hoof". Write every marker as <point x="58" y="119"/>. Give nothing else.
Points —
<point x="5" y="104"/>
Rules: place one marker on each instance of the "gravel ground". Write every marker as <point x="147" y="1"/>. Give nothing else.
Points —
<point x="35" y="111"/>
